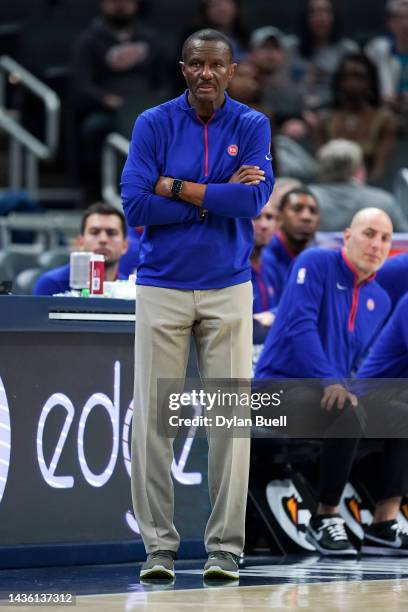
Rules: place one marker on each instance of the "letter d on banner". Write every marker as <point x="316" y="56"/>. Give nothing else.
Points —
<point x="5" y="439"/>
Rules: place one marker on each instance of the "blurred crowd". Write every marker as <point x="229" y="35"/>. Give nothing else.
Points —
<point x="315" y="85"/>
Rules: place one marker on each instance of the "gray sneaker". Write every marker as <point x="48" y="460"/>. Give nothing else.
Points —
<point x="221" y="564"/>
<point x="159" y="564"/>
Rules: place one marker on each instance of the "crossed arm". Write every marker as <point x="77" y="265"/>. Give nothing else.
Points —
<point x="194" y="193"/>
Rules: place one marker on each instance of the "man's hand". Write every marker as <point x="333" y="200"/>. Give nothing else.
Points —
<point x="337" y="395"/>
<point x="163" y="186"/>
<point x="248" y="175"/>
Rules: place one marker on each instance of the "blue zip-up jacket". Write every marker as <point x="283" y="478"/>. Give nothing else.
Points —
<point x="393" y="276"/>
<point x="277" y="263"/>
<point x="178" y="250"/>
<point x="325" y="321"/>
<point x="388" y="357"/>
<point x="264" y="294"/>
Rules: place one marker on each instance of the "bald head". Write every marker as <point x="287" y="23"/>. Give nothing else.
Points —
<point x="365" y="215"/>
<point x="368" y="241"/>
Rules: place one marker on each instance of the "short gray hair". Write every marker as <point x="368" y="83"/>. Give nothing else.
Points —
<point x="338" y="160"/>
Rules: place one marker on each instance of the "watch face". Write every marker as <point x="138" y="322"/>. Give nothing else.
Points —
<point x="176" y="187"/>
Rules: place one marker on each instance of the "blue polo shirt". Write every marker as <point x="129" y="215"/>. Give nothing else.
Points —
<point x="178" y="249"/>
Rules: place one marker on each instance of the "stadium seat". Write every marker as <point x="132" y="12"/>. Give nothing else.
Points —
<point x="24" y="282"/>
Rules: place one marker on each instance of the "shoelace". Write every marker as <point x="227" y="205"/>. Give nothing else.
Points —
<point x="161" y="553"/>
<point x="399" y="529"/>
<point x="335" y="527"/>
<point x="223" y="555"/>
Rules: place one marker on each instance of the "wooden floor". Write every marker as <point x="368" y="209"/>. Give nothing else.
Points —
<point x="304" y="583"/>
<point x="381" y="595"/>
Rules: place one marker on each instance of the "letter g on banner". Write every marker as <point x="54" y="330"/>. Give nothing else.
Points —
<point x="5" y="439"/>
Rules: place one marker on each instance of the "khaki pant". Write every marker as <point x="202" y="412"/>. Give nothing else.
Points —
<point x="221" y="321"/>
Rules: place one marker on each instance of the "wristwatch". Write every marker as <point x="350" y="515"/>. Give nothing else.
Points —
<point x="176" y="188"/>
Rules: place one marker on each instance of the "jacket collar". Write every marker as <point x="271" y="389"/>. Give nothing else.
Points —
<point x="182" y="102"/>
<point x="349" y="271"/>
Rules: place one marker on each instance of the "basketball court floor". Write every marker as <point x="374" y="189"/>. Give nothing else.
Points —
<point x="305" y="583"/>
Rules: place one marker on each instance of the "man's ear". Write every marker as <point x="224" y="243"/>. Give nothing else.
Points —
<point x="125" y="246"/>
<point x="183" y="68"/>
<point x="231" y="71"/>
<point x="346" y="235"/>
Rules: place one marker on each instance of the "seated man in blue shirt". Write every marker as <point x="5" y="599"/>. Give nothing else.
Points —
<point x="103" y="231"/>
<point x="388" y="359"/>
<point x="393" y="277"/>
<point x="329" y="314"/>
<point x="298" y="220"/>
<point x="264" y="227"/>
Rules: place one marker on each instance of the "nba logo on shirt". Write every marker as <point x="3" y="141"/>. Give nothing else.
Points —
<point x="370" y="304"/>
<point x="233" y="150"/>
<point x="301" y="275"/>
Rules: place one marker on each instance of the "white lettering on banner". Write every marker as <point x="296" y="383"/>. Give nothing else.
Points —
<point x="177" y="468"/>
<point x="48" y="472"/>
<point x="5" y="439"/>
<point x="113" y="410"/>
<point x="100" y="399"/>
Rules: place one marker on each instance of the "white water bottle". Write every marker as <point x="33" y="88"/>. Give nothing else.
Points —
<point x="79" y="267"/>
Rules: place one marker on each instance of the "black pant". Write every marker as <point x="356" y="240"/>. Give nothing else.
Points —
<point x="336" y="461"/>
<point x="385" y="414"/>
<point x="382" y="413"/>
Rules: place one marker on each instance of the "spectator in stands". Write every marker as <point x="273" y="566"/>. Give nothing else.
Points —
<point x="268" y="54"/>
<point x="227" y="17"/>
<point x="329" y="314"/>
<point x="318" y="52"/>
<point x="246" y="86"/>
<point x="103" y="230"/>
<point x="357" y="114"/>
<point x="298" y="221"/>
<point x="390" y="55"/>
<point x="264" y="227"/>
<point x="388" y="359"/>
<point x="112" y="61"/>
<point x="393" y="277"/>
<point x="342" y="191"/>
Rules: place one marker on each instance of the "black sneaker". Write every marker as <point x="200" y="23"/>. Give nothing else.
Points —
<point x="328" y="535"/>
<point x="386" y="538"/>
<point x="159" y="565"/>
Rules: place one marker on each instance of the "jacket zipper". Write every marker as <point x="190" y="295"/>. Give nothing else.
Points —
<point x="206" y="141"/>
<point x="354" y="307"/>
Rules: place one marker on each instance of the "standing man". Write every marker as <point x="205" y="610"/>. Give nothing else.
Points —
<point x="199" y="170"/>
<point x="330" y="312"/>
<point x="298" y="219"/>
